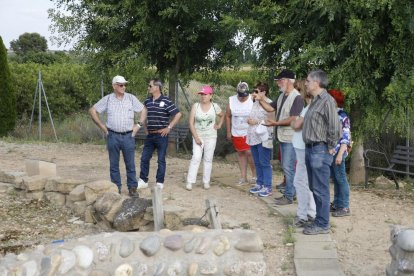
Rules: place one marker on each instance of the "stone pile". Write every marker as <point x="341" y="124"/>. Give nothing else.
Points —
<point x="402" y="252"/>
<point x="196" y="252"/>
<point x="93" y="202"/>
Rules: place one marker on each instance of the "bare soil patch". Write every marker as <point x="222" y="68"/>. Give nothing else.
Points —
<point x="25" y="223"/>
<point x="362" y="239"/>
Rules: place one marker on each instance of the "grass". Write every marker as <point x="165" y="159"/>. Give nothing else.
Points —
<point x="288" y="236"/>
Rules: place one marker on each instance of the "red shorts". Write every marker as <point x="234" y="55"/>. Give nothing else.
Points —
<point x="239" y="143"/>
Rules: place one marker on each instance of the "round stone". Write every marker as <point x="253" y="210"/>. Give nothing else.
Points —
<point x="126" y="248"/>
<point x="84" y="255"/>
<point x="405" y="240"/>
<point x="150" y="245"/>
<point x="68" y="261"/>
<point x="124" y="270"/>
<point x="173" y="242"/>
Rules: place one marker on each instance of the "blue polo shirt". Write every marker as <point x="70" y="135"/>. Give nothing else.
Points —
<point x="159" y="112"/>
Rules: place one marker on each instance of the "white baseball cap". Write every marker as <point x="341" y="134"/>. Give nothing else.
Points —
<point x="119" y="79"/>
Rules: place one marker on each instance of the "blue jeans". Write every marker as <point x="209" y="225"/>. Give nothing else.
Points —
<point x="318" y="165"/>
<point x="341" y="185"/>
<point x="125" y="143"/>
<point x="288" y="157"/>
<point x="261" y="158"/>
<point x="152" y="142"/>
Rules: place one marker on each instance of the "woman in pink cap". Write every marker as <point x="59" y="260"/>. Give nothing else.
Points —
<point x="204" y="120"/>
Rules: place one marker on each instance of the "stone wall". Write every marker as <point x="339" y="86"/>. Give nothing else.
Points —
<point x="402" y="252"/>
<point x="197" y="252"/>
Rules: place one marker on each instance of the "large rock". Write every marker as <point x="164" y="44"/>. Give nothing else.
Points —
<point x="96" y="188"/>
<point x="38" y="167"/>
<point x="34" y="183"/>
<point x="62" y="185"/>
<point x="108" y="205"/>
<point x="77" y="194"/>
<point x="130" y="217"/>
<point x="15" y="178"/>
<point x="381" y="182"/>
<point x="174" y="216"/>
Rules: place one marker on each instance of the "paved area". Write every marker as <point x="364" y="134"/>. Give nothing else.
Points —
<point x="314" y="255"/>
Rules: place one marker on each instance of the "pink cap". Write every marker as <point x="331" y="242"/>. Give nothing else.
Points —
<point x="207" y="90"/>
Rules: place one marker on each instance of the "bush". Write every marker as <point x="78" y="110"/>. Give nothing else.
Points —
<point x="7" y="94"/>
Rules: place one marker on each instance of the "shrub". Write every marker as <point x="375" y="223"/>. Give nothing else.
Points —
<point x="7" y="94"/>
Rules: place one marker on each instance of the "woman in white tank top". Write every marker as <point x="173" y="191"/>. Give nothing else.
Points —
<point x="203" y="126"/>
<point x="237" y="114"/>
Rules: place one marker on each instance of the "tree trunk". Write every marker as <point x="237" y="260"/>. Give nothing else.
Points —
<point x="357" y="169"/>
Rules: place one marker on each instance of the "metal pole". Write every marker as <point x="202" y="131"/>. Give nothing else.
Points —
<point x="40" y="106"/>
<point x="48" y="109"/>
<point x="34" y="105"/>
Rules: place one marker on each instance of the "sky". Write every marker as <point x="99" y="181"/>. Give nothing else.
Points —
<point x="26" y="16"/>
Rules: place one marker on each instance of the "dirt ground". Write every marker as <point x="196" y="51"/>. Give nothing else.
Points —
<point x="362" y="239"/>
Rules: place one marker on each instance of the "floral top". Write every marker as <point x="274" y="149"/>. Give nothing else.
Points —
<point x="258" y="114"/>
<point x="346" y="131"/>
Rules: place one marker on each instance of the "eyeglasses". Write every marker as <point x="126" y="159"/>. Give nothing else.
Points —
<point x="121" y="85"/>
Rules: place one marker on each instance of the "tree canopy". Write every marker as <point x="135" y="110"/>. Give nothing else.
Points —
<point x="29" y="42"/>
<point x="364" y="45"/>
<point x="175" y="36"/>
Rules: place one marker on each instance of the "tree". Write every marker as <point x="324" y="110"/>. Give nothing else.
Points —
<point x="29" y="42"/>
<point x="175" y="36"/>
<point x="364" y="45"/>
<point x="7" y="96"/>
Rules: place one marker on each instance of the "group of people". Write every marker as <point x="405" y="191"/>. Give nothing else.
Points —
<point x="308" y="121"/>
<point x="158" y="116"/>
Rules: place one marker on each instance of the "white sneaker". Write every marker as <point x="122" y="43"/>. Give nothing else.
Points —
<point x="142" y="184"/>
<point x="160" y="185"/>
<point x="242" y="182"/>
<point x="206" y="186"/>
<point x="189" y="186"/>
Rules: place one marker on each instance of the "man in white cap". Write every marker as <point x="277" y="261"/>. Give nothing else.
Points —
<point x="120" y="130"/>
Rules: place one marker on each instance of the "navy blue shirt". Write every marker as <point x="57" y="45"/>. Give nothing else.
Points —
<point x="159" y="112"/>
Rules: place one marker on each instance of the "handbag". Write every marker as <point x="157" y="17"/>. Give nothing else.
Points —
<point x="261" y="130"/>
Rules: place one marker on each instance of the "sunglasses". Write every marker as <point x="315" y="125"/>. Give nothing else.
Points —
<point x="121" y="85"/>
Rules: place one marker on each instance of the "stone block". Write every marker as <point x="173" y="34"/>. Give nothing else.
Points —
<point x="174" y="216"/>
<point x="108" y="205"/>
<point x="62" y="185"/>
<point x="38" y="167"/>
<point x="37" y="195"/>
<point x="34" y="183"/>
<point x="96" y="188"/>
<point x="78" y="193"/>
<point x="12" y="177"/>
<point x="56" y="198"/>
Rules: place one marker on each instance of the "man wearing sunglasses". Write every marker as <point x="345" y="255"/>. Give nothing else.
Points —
<point x="120" y="130"/>
<point x="160" y="115"/>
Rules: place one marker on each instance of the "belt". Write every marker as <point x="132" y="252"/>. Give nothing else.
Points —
<point x="121" y="133"/>
<point x="314" y="144"/>
<point x="158" y="131"/>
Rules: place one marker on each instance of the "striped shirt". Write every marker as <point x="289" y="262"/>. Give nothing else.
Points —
<point x="120" y="111"/>
<point x="159" y="112"/>
<point x="321" y="123"/>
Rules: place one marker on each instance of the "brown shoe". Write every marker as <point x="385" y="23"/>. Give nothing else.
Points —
<point x="283" y="201"/>
<point x="133" y="192"/>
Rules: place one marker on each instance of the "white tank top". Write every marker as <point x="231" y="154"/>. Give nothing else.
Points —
<point x="240" y="112"/>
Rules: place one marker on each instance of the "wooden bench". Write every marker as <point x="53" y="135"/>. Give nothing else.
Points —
<point x="178" y="134"/>
<point x="402" y="155"/>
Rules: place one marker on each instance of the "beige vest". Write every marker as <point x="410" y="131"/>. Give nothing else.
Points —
<point x="285" y="133"/>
